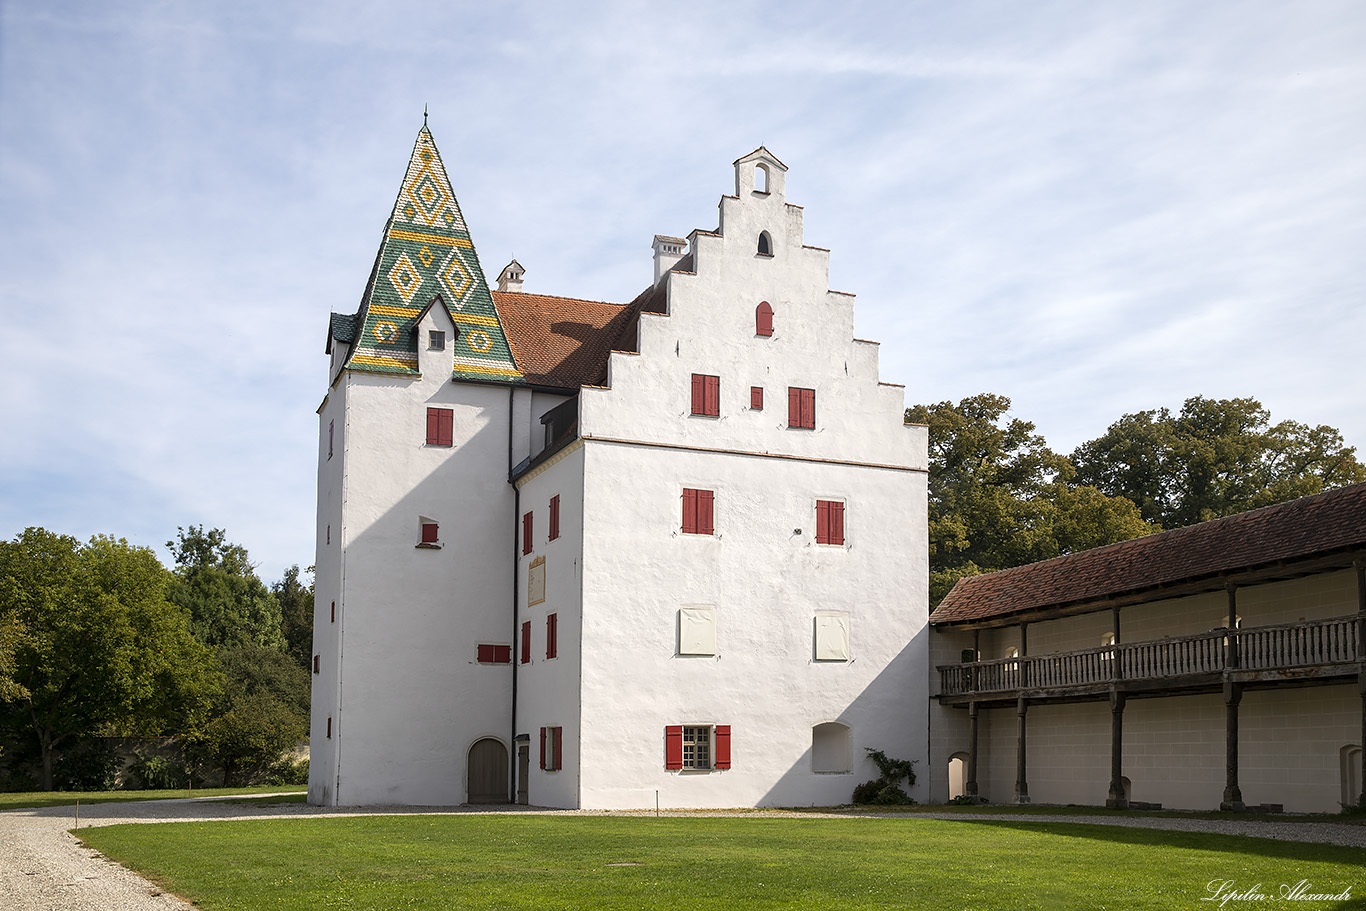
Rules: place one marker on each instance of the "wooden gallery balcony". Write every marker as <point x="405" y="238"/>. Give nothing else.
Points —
<point x="1292" y="653"/>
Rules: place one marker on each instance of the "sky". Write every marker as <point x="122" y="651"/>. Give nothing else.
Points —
<point x="1093" y="208"/>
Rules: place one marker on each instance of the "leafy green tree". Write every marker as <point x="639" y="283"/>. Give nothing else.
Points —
<point x="102" y="650"/>
<point x="999" y="497"/>
<point x="263" y="712"/>
<point x="215" y="581"/>
<point x="1216" y="458"/>
<point x="296" y="614"/>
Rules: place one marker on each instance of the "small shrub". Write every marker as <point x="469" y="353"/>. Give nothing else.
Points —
<point x="286" y="771"/>
<point x="90" y="765"/>
<point x="962" y="800"/>
<point x="159" y="773"/>
<point x="886" y="789"/>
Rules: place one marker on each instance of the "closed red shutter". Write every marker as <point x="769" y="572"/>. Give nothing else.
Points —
<point x="723" y="746"/>
<point x="526" y="533"/>
<point x="705" y="500"/>
<point x="836" y="523"/>
<point x="699" y="394"/>
<point x="554" y="517"/>
<point x="794" y="407"/>
<point x="763" y="319"/>
<point x="331" y="426"/>
<point x="809" y="408"/>
<point x="433" y="426"/>
<point x="315" y="664"/>
<point x="526" y="641"/>
<point x="713" y="388"/>
<point x="485" y="654"/>
<point x="445" y="422"/>
<point x="756" y="398"/>
<point x="429" y="532"/>
<point x="334" y="611"/>
<point x="559" y="748"/>
<point x="552" y="624"/>
<point x="542" y="748"/>
<point x="689" y="511"/>
<point x="673" y="746"/>
<point x="502" y="654"/>
<point x="329" y="729"/>
<point x="822" y="521"/>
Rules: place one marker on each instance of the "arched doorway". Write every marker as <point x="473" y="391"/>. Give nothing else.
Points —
<point x="957" y="775"/>
<point x="488" y="772"/>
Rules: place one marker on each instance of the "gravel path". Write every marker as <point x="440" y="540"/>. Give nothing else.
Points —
<point x="45" y="868"/>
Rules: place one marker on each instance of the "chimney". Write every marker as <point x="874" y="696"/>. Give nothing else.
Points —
<point x="510" y="279"/>
<point x="668" y="251"/>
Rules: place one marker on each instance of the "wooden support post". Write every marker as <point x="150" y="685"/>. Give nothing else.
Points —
<point x="1231" y="641"/>
<point x="1233" y="795"/>
<point x="1116" y="665"/>
<point x="1360" y="567"/>
<point x="1024" y="650"/>
<point x="1021" y="785"/>
<point x="1118" y="798"/>
<point x="970" y="786"/>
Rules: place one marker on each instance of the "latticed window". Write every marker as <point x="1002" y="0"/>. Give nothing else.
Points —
<point x="696" y="747"/>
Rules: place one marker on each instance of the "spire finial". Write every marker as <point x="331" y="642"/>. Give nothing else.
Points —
<point x="424" y="115"/>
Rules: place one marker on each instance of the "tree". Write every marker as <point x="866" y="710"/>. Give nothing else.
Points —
<point x="1216" y="458"/>
<point x="102" y="649"/>
<point x="296" y="615"/>
<point x="215" y="581"/>
<point x="999" y="497"/>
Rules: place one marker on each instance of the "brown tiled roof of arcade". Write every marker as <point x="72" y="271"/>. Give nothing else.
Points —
<point x="561" y="341"/>
<point x="1281" y="541"/>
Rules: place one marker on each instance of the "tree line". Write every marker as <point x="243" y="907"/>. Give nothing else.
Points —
<point x="98" y="639"/>
<point x="1000" y="497"/>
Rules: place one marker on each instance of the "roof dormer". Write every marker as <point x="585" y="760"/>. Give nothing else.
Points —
<point x="759" y="173"/>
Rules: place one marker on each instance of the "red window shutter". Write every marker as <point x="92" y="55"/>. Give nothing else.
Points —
<point x="445" y="426"/>
<point x="331" y="426"/>
<point x="756" y="398"/>
<point x="526" y="641"/>
<point x="315" y="664"/>
<point x="809" y="408"/>
<point x="559" y="748"/>
<point x="836" y="523"/>
<point x="485" y="654"/>
<point x="429" y="532"/>
<point x="705" y="499"/>
<point x="526" y="533"/>
<point x="329" y="728"/>
<point x="713" y="390"/>
<point x="722" y="746"/>
<point x="763" y="319"/>
<point x="699" y="394"/>
<point x="543" y="748"/>
<point x="794" y="407"/>
<point x="554" y="517"/>
<point x="673" y="746"/>
<point x="502" y="654"/>
<point x="433" y="426"/>
<point x="552" y="645"/>
<point x="689" y="511"/>
<point x="334" y="611"/>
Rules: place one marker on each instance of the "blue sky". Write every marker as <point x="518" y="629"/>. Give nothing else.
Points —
<point x="1093" y="208"/>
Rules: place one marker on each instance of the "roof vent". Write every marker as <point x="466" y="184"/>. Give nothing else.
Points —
<point x="510" y="279"/>
<point x="668" y="251"/>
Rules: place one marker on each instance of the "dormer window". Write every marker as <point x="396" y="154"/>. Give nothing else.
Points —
<point x="763" y="319"/>
<point x="765" y="244"/>
<point x="436" y="341"/>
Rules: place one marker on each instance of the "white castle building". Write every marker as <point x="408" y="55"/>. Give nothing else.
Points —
<point x="584" y="554"/>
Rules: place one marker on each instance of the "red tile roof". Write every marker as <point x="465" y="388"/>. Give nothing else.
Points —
<point x="1323" y="524"/>
<point x="561" y="341"/>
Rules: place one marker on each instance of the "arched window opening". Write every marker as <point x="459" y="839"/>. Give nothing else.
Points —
<point x="763" y="319"/>
<point x="1012" y="652"/>
<point x="958" y="775"/>
<point x="1350" y="757"/>
<point x="1107" y="640"/>
<point x="765" y="245"/>
<point x="831" y="748"/>
<point x="760" y="179"/>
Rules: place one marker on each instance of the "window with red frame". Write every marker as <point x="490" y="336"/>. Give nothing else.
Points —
<point x="756" y="398"/>
<point x="526" y="641"/>
<point x="439" y="423"/>
<point x="527" y="526"/>
<point x="697" y="746"/>
<point x="801" y="408"/>
<point x="763" y="319"/>
<point x="495" y="654"/>
<point x="430" y="532"/>
<point x="829" y="522"/>
<point x="554" y="517"/>
<point x="698" y="506"/>
<point x="552" y="631"/>
<point x="552" y="748"/>
<point x="706" y="394"/>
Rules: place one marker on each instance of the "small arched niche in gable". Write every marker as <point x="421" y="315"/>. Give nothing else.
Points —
<point x="761" y="178"/>
<point x="765" y="244"/>
<point x="763" y="319"/>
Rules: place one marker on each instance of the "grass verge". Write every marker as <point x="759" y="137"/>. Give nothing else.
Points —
<point x="31" y="799"/>
<point x="440" y="862"/>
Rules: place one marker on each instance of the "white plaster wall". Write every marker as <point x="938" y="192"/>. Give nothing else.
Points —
<point x="326" y="689"/>
<point x="767" y="583"/>
<point x="414" y="699"/>
<point x="548" y="690"/>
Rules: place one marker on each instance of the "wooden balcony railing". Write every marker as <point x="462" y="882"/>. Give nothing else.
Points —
<point x="1290" y="645"/>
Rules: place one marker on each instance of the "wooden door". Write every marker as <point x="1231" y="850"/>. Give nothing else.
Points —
<point x="488" y="772"/>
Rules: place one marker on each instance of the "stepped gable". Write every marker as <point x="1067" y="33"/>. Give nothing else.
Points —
<point x="427" y="254"/>
<point x="1334" y="521"/>
<point x="561" y="341"/>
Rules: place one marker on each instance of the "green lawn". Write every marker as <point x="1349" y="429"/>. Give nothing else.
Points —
<point x="513" y="861"/>
<point x="28" y="799"/>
